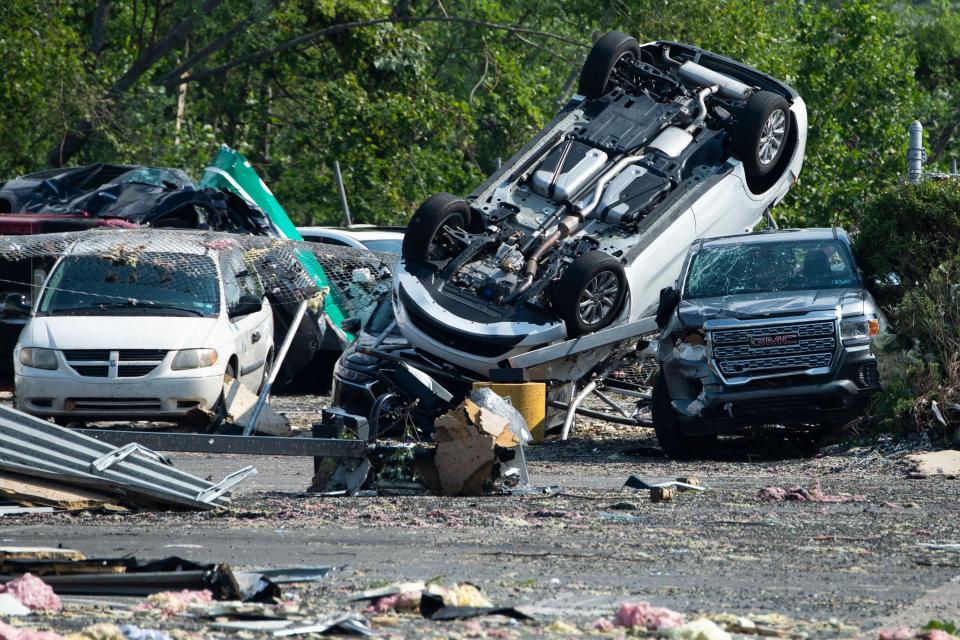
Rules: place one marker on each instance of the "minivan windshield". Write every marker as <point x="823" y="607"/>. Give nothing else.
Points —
<point x="761" y="267"/>
<point x="145" y="283"/>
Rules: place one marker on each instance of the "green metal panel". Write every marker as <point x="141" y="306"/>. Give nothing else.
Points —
<point x="230" y="170"/>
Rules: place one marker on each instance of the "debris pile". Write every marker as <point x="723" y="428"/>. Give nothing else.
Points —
<point x="802" y="494"/>
<point x="435" y="601"/>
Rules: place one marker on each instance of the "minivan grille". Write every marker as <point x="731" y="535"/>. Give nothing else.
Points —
<point x="129" y="363"/>
<point x="783" y="349"/>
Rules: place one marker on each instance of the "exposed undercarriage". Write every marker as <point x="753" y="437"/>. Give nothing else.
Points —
<point x="549" y="235"/>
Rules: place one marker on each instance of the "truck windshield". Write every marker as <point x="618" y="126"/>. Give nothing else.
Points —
<point x="760" y="267"/>
<point x="144" y="283"/>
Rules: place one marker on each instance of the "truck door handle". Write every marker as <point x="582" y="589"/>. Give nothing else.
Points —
<point x="255" y="337"/>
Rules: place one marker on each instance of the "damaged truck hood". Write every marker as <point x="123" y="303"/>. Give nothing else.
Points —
<point x="694" y="312"/>
<point x="105" y="332"/>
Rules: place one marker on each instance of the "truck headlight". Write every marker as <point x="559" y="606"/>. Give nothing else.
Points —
<point x="194" y="359"/>
<point x="39" y="358"/>
<point x="859" y="328"/>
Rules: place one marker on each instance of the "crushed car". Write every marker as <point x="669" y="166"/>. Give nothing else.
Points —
<point x="663" y="144"/>
<point x="769" y="328"/>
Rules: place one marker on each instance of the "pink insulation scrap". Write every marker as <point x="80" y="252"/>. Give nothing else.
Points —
<point x="900" y="633"/>
<point x="397" y="602"/>
<point x="33" y="593"/>
<point x="633" y="615"/>
<point x="801" y="494"/>
<point x="13" y="633"/>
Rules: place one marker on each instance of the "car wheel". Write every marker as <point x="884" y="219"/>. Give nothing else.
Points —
<point x="603" y="58"/>
<point x="590" y="293"/>
<point x="425" y="239"/>
<point x="762" y="131"/>
<point x="666" y="424"/>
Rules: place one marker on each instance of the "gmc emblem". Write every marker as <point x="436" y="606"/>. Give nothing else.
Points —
<point x="775" y="341"/>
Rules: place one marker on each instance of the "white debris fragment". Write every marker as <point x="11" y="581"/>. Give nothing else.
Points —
<point x="362" y="275"/>
<point x="690" y="352"/>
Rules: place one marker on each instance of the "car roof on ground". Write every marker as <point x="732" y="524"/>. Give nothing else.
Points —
<point x="778" y="235"/>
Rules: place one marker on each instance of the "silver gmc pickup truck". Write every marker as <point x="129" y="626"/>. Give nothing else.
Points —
<point x="769" y="328"/>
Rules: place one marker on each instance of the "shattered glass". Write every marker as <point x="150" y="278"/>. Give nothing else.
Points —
<point x="761" y="267"/>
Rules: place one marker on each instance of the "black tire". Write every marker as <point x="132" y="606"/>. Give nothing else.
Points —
<point x="666" y="424"/>
<point x="603" y="57"/>
<point x="439" y="210"/>
<point x="759" y="147"/>
<point x="593" y="277"/>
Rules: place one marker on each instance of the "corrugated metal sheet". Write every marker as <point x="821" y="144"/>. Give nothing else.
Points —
<point x="32" y="446"/>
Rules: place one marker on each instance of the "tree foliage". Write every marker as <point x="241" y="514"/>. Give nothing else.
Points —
<point x="417" y="96"/>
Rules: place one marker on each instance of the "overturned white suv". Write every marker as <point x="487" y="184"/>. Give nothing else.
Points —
<point x="663" y="144"/>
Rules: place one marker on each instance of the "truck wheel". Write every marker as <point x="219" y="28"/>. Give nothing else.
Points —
<point x="761" y="133"/>
<point x="424" y="239"/>
<point x="601" y="61"/>
<point x="666" y="424"/>
<point x="590" y="293"/>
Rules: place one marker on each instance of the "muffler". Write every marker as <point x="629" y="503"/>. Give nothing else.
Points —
<point x="699" y="75"/>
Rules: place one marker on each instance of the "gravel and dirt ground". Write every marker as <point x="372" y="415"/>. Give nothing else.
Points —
<point x="841" y="568"/>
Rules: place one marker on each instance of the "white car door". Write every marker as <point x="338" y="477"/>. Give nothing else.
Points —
<point x="252" y="332"/>
<point x="727" y="209"/>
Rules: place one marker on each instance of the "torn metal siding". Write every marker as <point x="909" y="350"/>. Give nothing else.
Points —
<point x="32" y="446"/>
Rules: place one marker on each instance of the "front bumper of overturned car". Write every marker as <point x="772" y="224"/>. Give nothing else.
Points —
<point x="471" y="345"/>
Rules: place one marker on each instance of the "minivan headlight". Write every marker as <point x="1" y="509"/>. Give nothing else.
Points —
<point x="859" y="328"/>
<point x="194" y="359"/>
<point x="39" y="358"/>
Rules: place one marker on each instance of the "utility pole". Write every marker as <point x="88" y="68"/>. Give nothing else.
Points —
<point x="343" y="194"/>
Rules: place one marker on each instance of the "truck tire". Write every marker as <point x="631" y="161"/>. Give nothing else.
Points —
<point x="762" y="132"/>
<point x="590" y="293"/>
<point x="666" y="424"/>
<point x="439" y="210"/>
<point x="603" y="57"/>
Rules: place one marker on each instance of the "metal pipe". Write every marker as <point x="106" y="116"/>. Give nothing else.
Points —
<point x="915" y="153"/>
<point x="610" y="403"/>
<point x="278" y="362"/>
<point x="590" y="413"/>
<point x="701" y="96"/>
<point x="343" y="194"/>
<point x="572" y="409"/>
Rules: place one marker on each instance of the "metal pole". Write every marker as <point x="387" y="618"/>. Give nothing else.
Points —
<point x="278" y="362"/>
<point x="915" y="154"/>
<point x="343" y="194"/>
<point x="572" y="409"/>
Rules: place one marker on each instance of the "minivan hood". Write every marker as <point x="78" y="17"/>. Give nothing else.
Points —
<point x="118" y="332"/>
<point x="850" y="301"/>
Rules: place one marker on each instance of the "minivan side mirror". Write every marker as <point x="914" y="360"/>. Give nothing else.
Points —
<point x="669" y="299"/>
<point x="351" y="325"/>
<point x="247" y="304"/>
<point x="16" y="305"/>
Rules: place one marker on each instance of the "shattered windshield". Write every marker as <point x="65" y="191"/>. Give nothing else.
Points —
<point x="158" y="177"/>
<point x="760" y="267"/>
<point x="142" y="284"/>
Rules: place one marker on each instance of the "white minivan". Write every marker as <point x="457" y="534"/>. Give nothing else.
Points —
<point x="143" y="333"/>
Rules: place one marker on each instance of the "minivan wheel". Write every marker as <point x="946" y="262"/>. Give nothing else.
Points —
<point x="590" y="293"/>
<point x="666" y="424"/>
<point x="603" y="58"/>
<point x="761" y="134"/>
<point x="425" y="239"/>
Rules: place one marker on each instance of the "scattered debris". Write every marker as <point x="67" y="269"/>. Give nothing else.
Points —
<point x="240" y="401"/>
<point x="942" y="463"/>
<point x="684" y="484"/>
<point x="643" y="615"/>
<point x="33" y="593"/>
<point x="951" y="546"/>
<point x="802" y="494"/>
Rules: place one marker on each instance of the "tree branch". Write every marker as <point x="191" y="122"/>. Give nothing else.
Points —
<point x="99" y="31"/>
<point x="307" y="38"/>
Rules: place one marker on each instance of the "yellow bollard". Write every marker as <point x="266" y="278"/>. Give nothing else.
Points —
<point x="529" y="398"/>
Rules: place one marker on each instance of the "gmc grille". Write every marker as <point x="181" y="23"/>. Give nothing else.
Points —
<point x="758" y="352"/>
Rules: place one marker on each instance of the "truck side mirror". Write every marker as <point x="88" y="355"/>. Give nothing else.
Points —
<point x="15" y="305"/>
<point x="669" y="299"/>
<point x="351" y="325"/>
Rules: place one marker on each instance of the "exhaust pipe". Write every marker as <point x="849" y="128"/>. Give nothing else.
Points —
<point x="701" y="76"/>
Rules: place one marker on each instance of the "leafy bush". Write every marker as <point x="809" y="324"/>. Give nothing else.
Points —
<point x="912" y="231"/>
